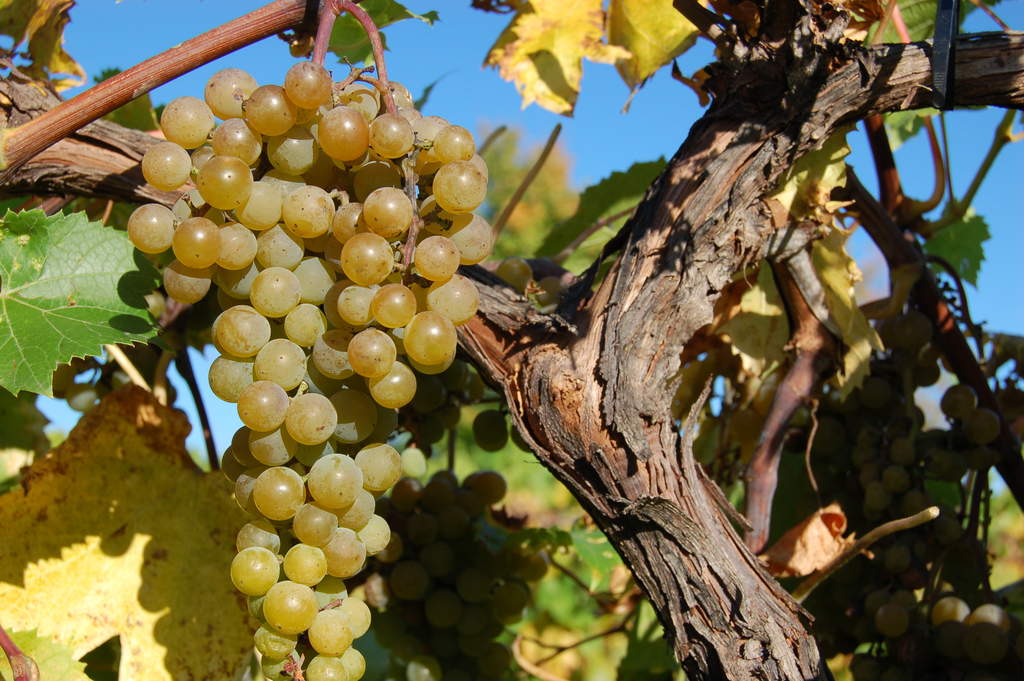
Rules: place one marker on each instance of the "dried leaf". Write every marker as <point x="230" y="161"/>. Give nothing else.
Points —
<point x="41" y="24"/>
<point x="543" y="47"/>
<point x="653" y="31"/>
<point x="811" y="545"/>
<point x="115" y="533"/>
<point x="838" y="273"/>
<point x="806" y="188"/>
<point x="758" y="327"/>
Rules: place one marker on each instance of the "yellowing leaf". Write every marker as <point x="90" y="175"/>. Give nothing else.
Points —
<point x="758" y="326"/>
<point x="804" y="191"/>
<point x="838" y="273"/>
<point x="41" y="24"/>
<point x="542" y="50"/>
<point x="116" y="532"/>
<point x="811" y="545"/>
<point x="653" y="31"/>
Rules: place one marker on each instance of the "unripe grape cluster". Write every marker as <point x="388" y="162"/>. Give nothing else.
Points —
<point x="447" y="584"/>
<point x="332" y="230"/>
<point x="923" y="597"/>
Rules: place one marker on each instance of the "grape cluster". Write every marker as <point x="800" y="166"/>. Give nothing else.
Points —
<point x="923" y="603"/>
<point x="332" y="219"/>
<point x="450" y="581"/>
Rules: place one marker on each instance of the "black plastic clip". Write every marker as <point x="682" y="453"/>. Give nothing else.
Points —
<point x="947" y="23"/>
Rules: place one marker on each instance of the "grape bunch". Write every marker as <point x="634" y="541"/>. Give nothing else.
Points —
<point x="331" y="218"/>
<point x="450" y="581"/>
<point x="924" y="604"/>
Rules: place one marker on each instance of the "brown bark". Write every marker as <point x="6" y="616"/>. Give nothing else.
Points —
<point x="591" y="387"/>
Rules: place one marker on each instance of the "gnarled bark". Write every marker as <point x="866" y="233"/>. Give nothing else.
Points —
<point x="591" y="387"/>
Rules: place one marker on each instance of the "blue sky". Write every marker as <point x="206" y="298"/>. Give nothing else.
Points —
<point x="599" y="139"/>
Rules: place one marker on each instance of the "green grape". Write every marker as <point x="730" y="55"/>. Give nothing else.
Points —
<point x="414" y="462"/>
<point x="926" y="375"/>
<point x="532" y="568"/>
<point x="876" y="497"/>
<point x="278" y="493"/>
<point x="354" y="663"/>
<point x="345" y="553"/>
<point x="381" y="466"/>
<point x="289" y="607"/>
<point x="304" y="324"/>
<point x="272" y="644"/>
<point x="430" y="395"/>
<point x="258" y="533"/>
<point x="235" y="284"/>
<point x="241" y="331"/>
<point x="516" y="272"/>
<point x="443" y="608"/>
<point x="229" y="375"/>
<point x="166" y="166"/>
<point x="357" y="415"/>
<point x="315" y="279"/>
<point x="185" y="284"/>
<point x="438" y="494"/>
<point x="470" y="501"/>
<point x="473" y="585"/>
<point x="225" y="182"/>
<point x="948" y="639"/>
<point x="457" y="299"/>
<point x="187" y="122"/>
<point x="272" y="448"/>
<point x="991" y="613"/>
<point x="200" y="156"/>
<point x="308" y="211"/>
<point x="436" y="258"/>
<point x="330" y="353"/>
<point x="275" y="292"/>
<point x="226" y="90"/>
<point x="892" y="620"/>
<point x="282" y="362"/>
<point x="330" y="591"/>
<point x="897" y="558"/>
<point x="438" y="559"/>
<point x="902" y="451"/>
<point x="374" y="174"/>
<point x="371" y="353"/>
<point x="276" y="247"/>
<point x="237" y="247"/>
<point x="459" y="187"/>
<point x="865" y="668"/>
<point x="347" y="221"/>
<point x="357" y="616"/>
<point x="313" y="524"/>
<point x="305" y="564"/>
<point x="329" y="633"/>
<point x="946" y="529"/>
<point x="980" y="458"/>
<point x="390" y="136"/>
<point x="981" y="426"/>
<point x="947" y="464"/>
<point x="367" y="259"/>
<point x="406" y="494"/>
<point x="986" y="643"/>
<point x="453" y="143"/>
<point x="254" y="570"/>
<point x="262" y="405"/>
<point x="494" y="660"/>
<point x="354" y="305"/>
<point x="896" y="479"/>
<point x="913" y="502"/>
<point x="509" y="599"/>
<point x="387" y="212"/>
<point x="234" y="138"/>
<point x="268" y="111"/>
<point x="295" y="152"/>
<point x="196" y="243"/>
<point x="311" y="419"/>
<point x="958" y="401"/>
<point x="343" y="134"/>
<point x="550" y="291"/>
<point x="912" y="331"/>
<point x="393" y="305"/>
<point x="408" y="581"/>
<point x="272" y="669"/>
<point x="359" y="513"/>
<point x="244" y="484"/>
<point x="262" y="208"/>
<point x="334" y="481"/>
<point x="949" y="608"/>
<point x="490" y="430"/>
<point x="430" y="338"/>
<point x="875" y="393"/>
<point x="375" y="535"/>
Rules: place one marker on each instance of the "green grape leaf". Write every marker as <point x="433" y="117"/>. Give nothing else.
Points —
<point x="805" y="190"/>
<point x="67" y="287"/>
<point x="54" y="660"/>
<point x="963" y="245"/>
<point x="647" y="657"/>
<point x="653" y="31"/>
<point x="348" y="39"/>
<point x="902" y="125"/>
<point x="613" y="194"/>
<point x="541" y="538"/>
<point x="421" y="101"/>
<point x="137" y="114"/>
<point x="21" y="423"/>
<point x="595" y="552"/>
<point x="919" y="17"/>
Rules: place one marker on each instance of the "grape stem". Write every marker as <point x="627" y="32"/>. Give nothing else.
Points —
<point x="184" y="364"/>
<point x="117" y="354"/>
<point x="804" y="589"/>
<point x="528" y="179"/>
<point x="408" y="250"/>
<point x="23" y="666"/>
<point x="328" y="14"/>
<point x="21" y="143"/>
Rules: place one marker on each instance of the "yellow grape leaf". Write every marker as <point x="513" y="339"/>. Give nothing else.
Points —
<point x="838" y="274"/>
<point x="804" y="190"/>
<point x="543" y="47"/>
<point x="758" y="327"/>
<point x="811" y="545"/>
<point x="653" y="31"/>
<point x="116" y="533"/>
<point x="41" y="24"/>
